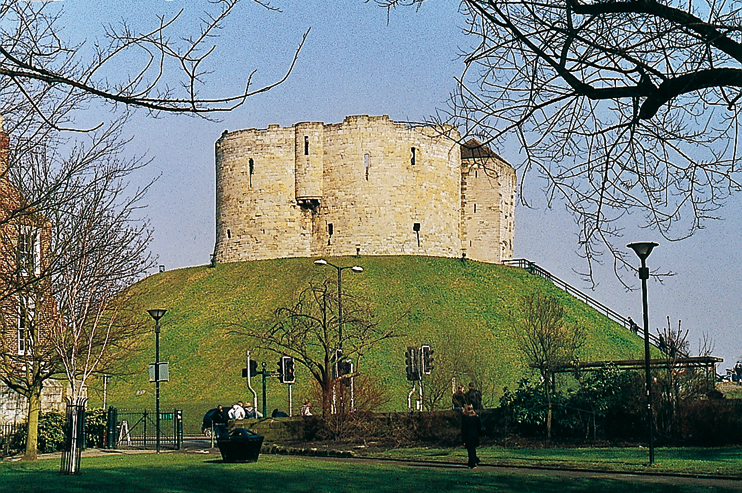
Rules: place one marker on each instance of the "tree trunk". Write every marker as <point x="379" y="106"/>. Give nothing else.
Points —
<point x="327" y="396"/>
<point x="32" y="423"/>
<point x="547" y="383"/>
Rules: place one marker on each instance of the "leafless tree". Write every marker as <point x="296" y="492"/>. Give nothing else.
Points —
<point x="308" y="331"/>
<point x="623" y="106"/>
<point x="545" y="340"/>
<point x="676" y="382"/>
<point x="169" y="68"/>
<point x="66" y="264"/>
<point x="459" y="358"/>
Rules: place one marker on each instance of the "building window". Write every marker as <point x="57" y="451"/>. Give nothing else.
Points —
<point x="475" y="173"/>
<point x="306" y="145"/>
<point x="229" y="234"/>
<point x="367" y="163"/>
<point x="475" y="207"/>
<point x="330" y="231"/>
<point x="413" y="155"/>
<point x="29" y="250"/>
<point x="251" y="165"/>
<point x="25" y="326"/>
<point x="416" y="229"/>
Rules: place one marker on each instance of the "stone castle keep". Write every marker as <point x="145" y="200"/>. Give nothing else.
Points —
<point x="366" y="186"/>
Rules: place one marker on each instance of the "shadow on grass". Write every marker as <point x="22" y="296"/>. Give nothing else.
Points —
<point x="184" y="473"/>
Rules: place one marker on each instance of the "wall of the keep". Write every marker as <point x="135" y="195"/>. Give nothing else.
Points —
<point x="367" y="186"/>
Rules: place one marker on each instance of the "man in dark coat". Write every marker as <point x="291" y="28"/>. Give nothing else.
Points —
<point x="471" y="427"/>
<point x="219" y="419"/>
<point x="459" y="398"/>
<point x="474" y="397"/>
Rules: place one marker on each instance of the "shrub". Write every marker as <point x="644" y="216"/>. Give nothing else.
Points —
<point x="52" y="432"/>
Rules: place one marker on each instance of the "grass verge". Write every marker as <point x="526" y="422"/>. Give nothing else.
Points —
<point x="712" y="461"/>
<point x="188" y="473"/>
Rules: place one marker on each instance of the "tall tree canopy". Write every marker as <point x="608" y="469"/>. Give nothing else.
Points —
<point x="622" y="105"/>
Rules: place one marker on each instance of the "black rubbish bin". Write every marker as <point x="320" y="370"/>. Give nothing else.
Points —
<point x="240" y="445"/>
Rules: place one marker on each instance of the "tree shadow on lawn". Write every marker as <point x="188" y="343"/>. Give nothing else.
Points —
<point x="185" y="473"/>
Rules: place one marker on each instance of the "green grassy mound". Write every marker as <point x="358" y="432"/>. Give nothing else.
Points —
<point x="461" y="309"/>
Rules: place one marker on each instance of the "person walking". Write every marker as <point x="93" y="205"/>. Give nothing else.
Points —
<point x="471" y="427"/>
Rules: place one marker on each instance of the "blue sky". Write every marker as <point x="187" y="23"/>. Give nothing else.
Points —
<point x="359" y="61"/>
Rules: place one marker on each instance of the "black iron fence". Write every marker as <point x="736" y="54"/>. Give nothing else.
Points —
<point x="137" y="428"/>
<point x="8" y="433"/>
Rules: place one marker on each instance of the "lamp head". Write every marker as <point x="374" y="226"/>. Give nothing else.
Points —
<point x="156" y="313"/>
<point x="642" y="248"/>
<point x="320" y="261"/>
<point x="357" y="268"/>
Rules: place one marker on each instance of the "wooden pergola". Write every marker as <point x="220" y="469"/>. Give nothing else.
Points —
<point x="708" y="363"/>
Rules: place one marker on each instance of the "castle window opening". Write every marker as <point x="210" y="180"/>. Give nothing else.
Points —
<point x="416" y="229"/>
<point x="413" y="152"/>
<point x="475" y="173"/>
<point x="475" y="207"/>
<point x="367" y="163"/>
<point x="229" y="234"/>
<point x="306" y="145"/>
<point x="251" y="164"/>
<point x="330" y="230"/>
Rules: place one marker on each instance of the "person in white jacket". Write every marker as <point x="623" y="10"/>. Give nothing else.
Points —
<point x="237" y="411"/>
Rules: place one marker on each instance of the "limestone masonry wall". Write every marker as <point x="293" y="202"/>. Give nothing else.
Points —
<point x="366" y="186"/>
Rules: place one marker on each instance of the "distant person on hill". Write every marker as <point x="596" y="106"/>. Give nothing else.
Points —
<point x="237" y="412"/>
<point x="474" y="397"/>
<point x="633" y="327"/>
<point x="471" y="428"/>
<point x="459" y="398"/>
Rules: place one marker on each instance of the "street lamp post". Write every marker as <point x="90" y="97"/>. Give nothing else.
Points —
<point x="157" y="314"/>
<point x="642" y="250"/>
<point x="340" y="270"/>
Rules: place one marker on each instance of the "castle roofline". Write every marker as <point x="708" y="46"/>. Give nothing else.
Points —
<point x="473" y="149"/>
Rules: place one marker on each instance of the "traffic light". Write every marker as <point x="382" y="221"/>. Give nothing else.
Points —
<point x="344" y="367"/>
<point x="412" y="364"/>
<point x="286" y="369"/>
<point x="427" y="357"/>
<point x="253" y="369"/>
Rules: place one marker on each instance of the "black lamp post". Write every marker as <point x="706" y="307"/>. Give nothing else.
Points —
<point x="340" y="270"/>
<point x="157" y="314"/>
<point x="642" y="250"/>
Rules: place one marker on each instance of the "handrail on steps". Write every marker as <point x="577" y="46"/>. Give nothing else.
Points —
<point x="535" y="269"/>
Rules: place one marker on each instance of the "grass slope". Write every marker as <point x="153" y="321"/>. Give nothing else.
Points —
<point x="450" y="304"/>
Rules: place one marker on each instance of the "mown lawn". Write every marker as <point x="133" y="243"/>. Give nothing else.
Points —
<point x="461" y="309"/>
<point x="722" y="461"/>
<point x="203" y="474"/>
